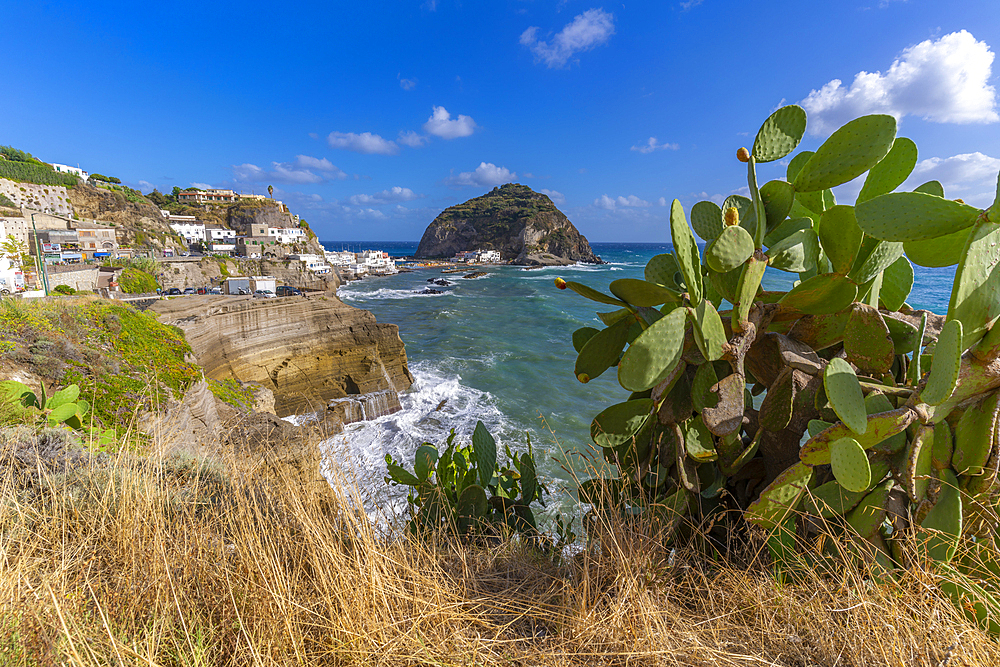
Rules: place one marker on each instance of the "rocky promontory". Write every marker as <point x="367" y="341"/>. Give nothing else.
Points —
<point x="309" y="351"/>
<point x="523" y="225"/>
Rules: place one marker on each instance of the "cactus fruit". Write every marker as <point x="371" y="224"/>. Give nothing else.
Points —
<point x="745" y="215"/>
<point x="850" y="464"/>
<point x="841" y="238"/>
<point x="847" y="153"/>
<point x="654" y="353"/>
<point x="706" y="219"/>
<point x="732" y="216"/>
<point x="560" y="283"/>
<point x="891" y="171"/>
<point x="743" y="155"/>
<point x="913" y="216"/>
<point x="821" y="295"/>
<point x="732" y="247"/>
<point x="686" y="251"/>
<point x="844" y="392"/>
<point x="947" y="360"/>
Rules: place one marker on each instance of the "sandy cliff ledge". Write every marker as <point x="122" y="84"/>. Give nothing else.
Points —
<point x="307" y="351"/>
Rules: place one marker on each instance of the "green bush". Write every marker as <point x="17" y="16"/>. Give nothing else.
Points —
<point x="63" y="289"/>
<point x="136" y="281"/>
<point x="33" y="172"/>
<point x="5" y="202"/>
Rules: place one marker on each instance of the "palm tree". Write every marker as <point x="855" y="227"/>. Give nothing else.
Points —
<point x="270" y="191"/>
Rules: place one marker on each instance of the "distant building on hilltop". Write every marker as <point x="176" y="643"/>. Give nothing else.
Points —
<point x="66" y="169"/>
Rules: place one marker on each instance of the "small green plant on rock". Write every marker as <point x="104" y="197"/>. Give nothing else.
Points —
<point x="877" y="422"/>
<point x="463" y="489"/>
<point x="65" y="407"/>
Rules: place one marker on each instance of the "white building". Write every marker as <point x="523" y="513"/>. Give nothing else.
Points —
<point x="378" y="262"/>
<point x="341" y="258"/>
<point x="490" y="256"/>
<point x="187" y="226"/>
<point x="16" y="227"/>
<point x="66" y="169"/>
<point x="314" y="263"/>
<point x="287" y="234"/>
<point x="216" y="233"/>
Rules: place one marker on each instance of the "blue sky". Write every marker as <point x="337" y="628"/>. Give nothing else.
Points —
<point x="369" y="118"/>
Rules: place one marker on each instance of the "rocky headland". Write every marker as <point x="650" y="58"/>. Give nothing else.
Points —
<point x="523" y="225"/>
<point x="313" y="353"/>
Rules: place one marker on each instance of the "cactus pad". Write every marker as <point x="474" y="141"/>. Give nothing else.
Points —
<point x="868" y="516"/>
<point x="777" y="197"/>
<point x="873" y="258"/>
<point x="582" y="335"/>
<point x="485" y="448"/>
<point x="913" y="216"/>
<point x="787" y="228"/>
<point x="602" y="350"/>
<point x="974" y="436"/>
<point x="850" y="464"/>
<point x="891" y="171"/>
<point x="701" y="394"/>
<point x="947" y="360"/>
<point x="849" y="152"/>
<point x="642" y="293"/>
<point x="698" y="440"/>
<point x="472" y="506"/>
<point x="831" y="499"/>
<point x="661" y="270"/>
<point x="706" y="218"/>
<point x="841" y="238"/>
<point x="781" y="496"/>
<point x="918" y="471"/>
<point x="943" y="446"/>
<point x="942" y="526"/>
<point x="780" y="134"/>
<point x="618" y="424"/>
<point x="941" y="251"/>
<point x="867" y="341"/>
<point x="932" y="188"/>
<point x="592" y="294"/>
<point x="844" y="393"/>
<point x="709" y="334"/>
<point x="654" y="353"/>
<point x="975" y="296"/>
<point x="753" y="272"/>
<point x="744" y="207"/>
<point x="796" y="253"/>
<point x="897" y="281"/>
<point x="816" y="450"/>
<point x="686" y="251"/>
<point x="776" y="408"/>
<point x="821" y="295"/>
<point x="732" y="247"/>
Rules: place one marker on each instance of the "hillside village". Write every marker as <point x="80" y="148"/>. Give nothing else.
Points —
<point x="59" y="224"/>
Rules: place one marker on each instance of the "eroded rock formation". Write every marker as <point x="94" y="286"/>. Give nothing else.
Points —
<point x="308" y="351"/>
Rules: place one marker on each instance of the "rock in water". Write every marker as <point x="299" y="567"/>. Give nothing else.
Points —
<point x="524" y="225"/>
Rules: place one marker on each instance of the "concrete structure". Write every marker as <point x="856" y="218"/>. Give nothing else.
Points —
<point x="260" y="246"/>
<point x="314" y="263"/>
<point x="341" y="258"/>
<point x="219" y="233"/>
<point x="189" y="227"/>
<point x="100" y="241"/>
<point x="234" y="285"/>
<point x="210" y="196"/>
<point x="258" y="230"/>
<point x="19" y="228"/>
<point x="223" y="248"/>
<point x="269" y="283"/>
<point x="287" y="234"/>
<point x="66" y="169"/>
<point x="490" y="256"/>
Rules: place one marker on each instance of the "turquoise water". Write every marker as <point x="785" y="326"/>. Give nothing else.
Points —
<point x="499" y="349"/>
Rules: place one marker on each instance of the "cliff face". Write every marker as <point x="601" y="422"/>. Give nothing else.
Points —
<point x="138" y="222"/>
<point x="524" y="225"/>
<point x="208" y="271"/>
<point x="309" y="352"/>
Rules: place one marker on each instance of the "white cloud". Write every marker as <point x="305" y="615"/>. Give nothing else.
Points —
<point x="201" y="186"/>
<point x="406" y="84"/>
<point x="970" y="176"/>
<point x="588" y="30"/>
<point x="146" y="185"/>
<point x="690" y="4"/>
<point x="430" y="5"/>
<point x="943" y="81"/>
<point x="411" y="139"/>
<point x="366" y="142"/>
<point x="662" y="201"/>
<point x="654" y="145"/>
<point x="441" y="125"/>
<point x="486" y="174"/>
<point x="554" y="195"/>
<point x="370" y="214"/>
<point x="394" y="194"/>
<point x="611" y="204"/>
<point x="303" y="170"/>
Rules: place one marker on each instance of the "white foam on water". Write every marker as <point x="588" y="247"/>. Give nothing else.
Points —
<point x="386" y="293"/>
<point x="436" y="403"/>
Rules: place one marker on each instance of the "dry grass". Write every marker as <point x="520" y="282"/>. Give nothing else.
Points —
<point x="175" y="564"/>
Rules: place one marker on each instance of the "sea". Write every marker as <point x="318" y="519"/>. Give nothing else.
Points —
<point x="498" y="349"/>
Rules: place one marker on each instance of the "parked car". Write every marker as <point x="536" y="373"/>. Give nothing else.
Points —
<point x="264" y="294"/>
<point x="215" y="290"/>
<point x="288" y="290"/>
<point x="189" y="290"/>
<point x="173" y="291"/>
<point x="202" y="290"/>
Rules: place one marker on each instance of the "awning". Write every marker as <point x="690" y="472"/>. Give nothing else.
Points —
<point x="72" y="255"/>
<point x="102" y="254"/>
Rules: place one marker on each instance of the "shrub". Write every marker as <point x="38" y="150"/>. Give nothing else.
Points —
<point x="136" y="281"/>
<point x="64" y="289"/>
<point x="31" y="172"/>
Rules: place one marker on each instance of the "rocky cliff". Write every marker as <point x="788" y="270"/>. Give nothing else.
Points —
<point x="524" y="225"/>
<point x="212" y="271"/>
<point x="308" y="351"/>
<point x="139" y="222"/>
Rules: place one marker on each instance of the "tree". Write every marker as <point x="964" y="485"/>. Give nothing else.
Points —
<point x="17" y="251"/>
<point x="175" y="192"/>
<point x="270" y="191"/>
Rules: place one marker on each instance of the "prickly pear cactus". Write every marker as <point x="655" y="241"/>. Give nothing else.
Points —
<point x="833" y="401"/>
